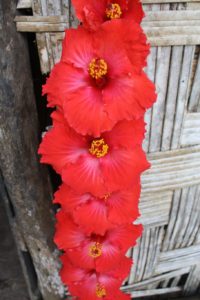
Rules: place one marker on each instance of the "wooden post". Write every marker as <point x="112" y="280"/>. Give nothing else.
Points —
<point x="25" y="185"/>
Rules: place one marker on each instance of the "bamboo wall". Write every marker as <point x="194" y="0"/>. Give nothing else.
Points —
<point x="167" y="258"/>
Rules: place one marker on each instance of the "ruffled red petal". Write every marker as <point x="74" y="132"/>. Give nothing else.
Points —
<point x="99" y="90"/>
<point x="69" y="199"/>
<point x="90" y="12"/>
<point x="134" y="11"/>
<point x="120" y="207"/>
<point x="114" y="244"/>
<point x="85" y="176"/>
<point x="78" y="49"/>
<point x="61" y="146"/>
<point x="123" y="167"/>
<point x="68" y="153"/>
<point x="123" y="206"/>
<point x="85" y="112"/>
<point x="93" y="210"/>
<point x="130" y="39"/>
<point x="67" y="233"/>
<point x="83" y="283"/>
<point x="93" y="12"/>
<point x="128" y="98"/>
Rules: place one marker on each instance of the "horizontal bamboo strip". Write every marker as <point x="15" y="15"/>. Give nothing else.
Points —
<point x="167" y="1"/>
<point x="172" y="169"/>
<point x="24" y="4"/>
<point x="27" y="3"/>
<point x="154" y="279"/>
<point x="155" y="292"/>
<point x="172" y="260"/>
<point x="155" y="208"/>
<point x="160" y="30"/>
<point x="172" y="15"/>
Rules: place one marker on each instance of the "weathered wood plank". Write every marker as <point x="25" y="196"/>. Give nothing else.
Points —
<point x="26" y="181"/>
<point x="13" y="283"/>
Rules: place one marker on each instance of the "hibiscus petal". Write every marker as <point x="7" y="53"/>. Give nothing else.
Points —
<point x="85" y="176"/>
<point x="80" y="257"/>
<point x="91" y="13"/>
<point x="121" y="100"/>
<point x="78" y="48"/>
<point x="122" y="167"/>
<point x="83" y="283"/>
<point x="85" y="112"/>
<point x="134" y="11"/>
<point x="111" y="256"/>
<point x="126" y="134"/>
<point x="92" y="217"/>
<point x="71" y="274"/>
<point x="144" y="90"/>
<point x="64" y="79"/>
<point x="125" y="236"/>
<point x="60" y="146"/>
<point x="69" y="199"/>
<point x="121" y="271"/>
<point x="130" y="36"/>
<point x="123" y="205"/>
<point x="67" y="233"/>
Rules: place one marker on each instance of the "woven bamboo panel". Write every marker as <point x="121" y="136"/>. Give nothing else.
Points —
<point x="167" y="258"/>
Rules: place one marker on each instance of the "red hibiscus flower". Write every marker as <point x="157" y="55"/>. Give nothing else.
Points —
<point x="94" y="251"/>
<point x="94" y="12"/>
<point x="89" y="285"/>
<point x="119" y="207"/>
<point x="95" y="84"/>
<point x="97" y="166"/>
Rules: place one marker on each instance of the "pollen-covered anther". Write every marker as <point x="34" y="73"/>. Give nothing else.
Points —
<point x="98" y="68"/>
<point x="95" y="250"/>
<point x="106" y="196"/>
<point x="113" y="11"/>
<point x="100" y="291"/>
<point x="99" y="148"/>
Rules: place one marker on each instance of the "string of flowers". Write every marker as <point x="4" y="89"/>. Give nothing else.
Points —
<point x="100" y="93"/>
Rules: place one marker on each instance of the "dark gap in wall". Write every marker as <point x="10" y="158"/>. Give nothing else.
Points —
<point x="5" y="195"/>
<point x="43" y="112"/>
<point x="31" y="274"/>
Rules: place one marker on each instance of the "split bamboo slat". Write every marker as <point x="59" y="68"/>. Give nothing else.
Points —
<point x="167" y="258"/>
